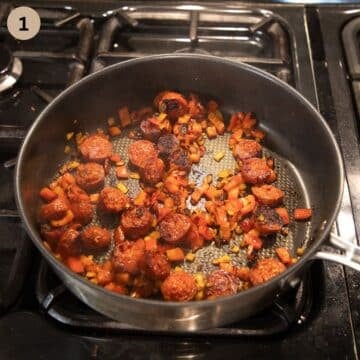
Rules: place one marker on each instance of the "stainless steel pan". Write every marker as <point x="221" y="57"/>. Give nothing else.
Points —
<point x="307" y="157"/>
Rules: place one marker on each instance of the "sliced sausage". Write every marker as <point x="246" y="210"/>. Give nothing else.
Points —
<point x="112" y="200"/>
<point x="153" y="171"/>
<point x="268" y="194"/>
<point x="129" y="256"/>
<point x="54" y="210"/>
<point x="179" y="160"/>
<point x="83" y="211"/>
<point x="136" y="222"/>
<point x="267" y="220"/>
<point x="174" y="227"/>
<point x="150" y="131"/>
<point x="167" y="144"/>
<point x="256" y="171"/>
<point x="90" y="176"/>
<point x="171" y="103"/>
<point x="179" y="286"/>
<point x="96" y="148"/>
<point x="246" y="149"/>
<point x="95" y="238"/>
<point x="220" y="283"/>
<point x="140" y="152"/>
<point x="265" y="269"/>
<point x="69" y="243"/>
<point x="156" y="266"/>
<point x="80" y="204"/>
<point x="52" y="235"/>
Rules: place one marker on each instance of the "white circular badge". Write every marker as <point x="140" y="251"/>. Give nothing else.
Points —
<point x="23" y="23"/>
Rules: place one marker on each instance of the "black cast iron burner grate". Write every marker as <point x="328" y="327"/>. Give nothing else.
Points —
<point x="291" y="308"/>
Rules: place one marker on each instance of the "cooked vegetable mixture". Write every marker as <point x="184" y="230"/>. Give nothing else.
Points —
<point x="157" y="230"/>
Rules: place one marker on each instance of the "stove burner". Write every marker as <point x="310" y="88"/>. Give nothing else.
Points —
<point x="10" y="68"/>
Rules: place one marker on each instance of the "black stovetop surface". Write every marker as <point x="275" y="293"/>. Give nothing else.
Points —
<point x="325" y="326"/>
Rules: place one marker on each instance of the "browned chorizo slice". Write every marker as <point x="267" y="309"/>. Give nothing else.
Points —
<point x="96" y="148"/>
<point x="156" y="265"/>
<point x="153" y="171"/>
<point x="167" y="144"/>
<point x="220" y="283"/>
<point x="52" y="235"/>
<point x="140" y="152"/>
<point x="268" y="194"/>
<point x="112" y="200"/>
<point x="129" y="256"/>
<point x="267" y="220"/>
<point x="172" y="103"/>
<point x="136" y="222"/>
<point x="180" y="160"/>
<point x="174" y="227"/>
<point x="246" y="149"/>
<point x="83" y="211"/>
<point x="80" y="204"/>
<point x="69" y="243"/>
<point x="256" y="171"/>
<point x="265" y="269"/>
<point x="150" y="130"/>
<point x="54" y="210"/>
<point x="179" y="286"/>
<point x="90" y="176"/>
<point x="95" y="238"/>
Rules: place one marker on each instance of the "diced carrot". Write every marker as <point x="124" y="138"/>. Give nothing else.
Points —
<point x="124" y="116"/>
<point x="114" y="131"/>
<point x="47" y="194"/>
<point x="122" y="172"/>
<point x="115" y="158"/>
<point x="249" y="204"/>
<point x="140" y="198"/>
<point x="233" y="182"/>
<point x="283" y="254"/>
<point x="176" y="254"/>
<point x="194" y="157"/>
<point x="284" y="215"/>
<point x="150" y="243"/>
<point x="226" y="267"/>
<point x="211" y="132"/>
<point x="75" y="264"/>
<point x="302" y="214"/>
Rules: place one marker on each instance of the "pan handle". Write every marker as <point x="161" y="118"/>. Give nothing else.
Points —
<point x="350" y="257"/>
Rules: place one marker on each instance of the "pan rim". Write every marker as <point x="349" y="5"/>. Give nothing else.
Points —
<point x="164" y="57"/>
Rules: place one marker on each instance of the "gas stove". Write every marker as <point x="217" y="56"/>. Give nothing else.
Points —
<point x="320" y="316"/>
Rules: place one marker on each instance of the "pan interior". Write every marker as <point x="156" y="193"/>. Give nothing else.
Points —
<point x="288" y="179"/>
